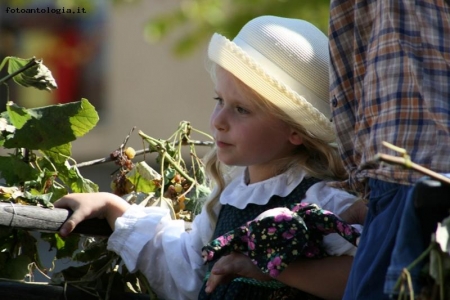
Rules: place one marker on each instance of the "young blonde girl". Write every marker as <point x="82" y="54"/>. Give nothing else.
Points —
<point x="274" y="148"/>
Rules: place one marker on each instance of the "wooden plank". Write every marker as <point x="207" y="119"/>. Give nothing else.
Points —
<point x="12" y="290"/>
<point x="48" y="220"/>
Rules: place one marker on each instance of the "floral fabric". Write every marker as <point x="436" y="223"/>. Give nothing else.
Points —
<point x="274" y="241"/>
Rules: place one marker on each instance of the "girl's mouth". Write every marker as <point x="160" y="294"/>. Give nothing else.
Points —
<point x="222" y="144"/>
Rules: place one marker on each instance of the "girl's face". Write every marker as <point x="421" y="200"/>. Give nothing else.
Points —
<point x="246" y="135"/>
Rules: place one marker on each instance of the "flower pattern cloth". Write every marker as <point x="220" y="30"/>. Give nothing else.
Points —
<point x="273" y="241"/>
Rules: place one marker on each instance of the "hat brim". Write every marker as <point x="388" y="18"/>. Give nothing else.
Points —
<point x="235" y="60"/>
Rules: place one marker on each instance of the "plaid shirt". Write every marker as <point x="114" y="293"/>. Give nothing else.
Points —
<point x="390" y="81"/>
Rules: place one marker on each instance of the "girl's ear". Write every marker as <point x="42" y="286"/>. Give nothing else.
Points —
<point x="295" y="138"/>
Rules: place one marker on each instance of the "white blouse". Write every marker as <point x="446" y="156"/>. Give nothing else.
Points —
<point x="170" y="257"/>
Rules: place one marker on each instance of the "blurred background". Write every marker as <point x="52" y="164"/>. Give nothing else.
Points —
<point x="141" y="63"/>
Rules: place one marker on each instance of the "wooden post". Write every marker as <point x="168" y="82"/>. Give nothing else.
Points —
<point x="48" y="220"/>
<point x="34" y="291"/>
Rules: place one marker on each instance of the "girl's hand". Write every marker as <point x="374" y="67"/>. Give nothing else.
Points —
<point x="231" y="266"/>
<point x="356" y="213"/>
<point x="89" y="206"/>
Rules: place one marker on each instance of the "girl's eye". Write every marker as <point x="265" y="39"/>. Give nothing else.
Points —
<point x="219" y="100"/>
<point x="242" y="110"/>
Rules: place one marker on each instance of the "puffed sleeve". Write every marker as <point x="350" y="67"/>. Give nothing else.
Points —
<point x="147" y="239"/>
<point x="336" y="201"/>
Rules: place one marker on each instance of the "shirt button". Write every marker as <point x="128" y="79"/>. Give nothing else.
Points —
<point x="334" y="102"/>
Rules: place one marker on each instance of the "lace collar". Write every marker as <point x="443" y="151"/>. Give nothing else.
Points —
<point x="239" y="194"/>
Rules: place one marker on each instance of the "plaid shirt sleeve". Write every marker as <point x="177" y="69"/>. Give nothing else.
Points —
<point x="390" y="81"/>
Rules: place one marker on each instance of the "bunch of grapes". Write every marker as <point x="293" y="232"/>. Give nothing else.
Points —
<point x="120" y="185"/>
<point x="176" y="191"/>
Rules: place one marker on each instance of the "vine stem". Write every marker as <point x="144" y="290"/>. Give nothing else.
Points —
<point x="161" y="150"/>
<point x="411" y="165"/>
<point x="138" y="152"/>
<point x="414" y="263"/>
<point x="31" y="63"/>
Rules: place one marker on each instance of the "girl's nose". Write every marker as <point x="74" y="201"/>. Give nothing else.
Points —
<point x="219" y="119"/>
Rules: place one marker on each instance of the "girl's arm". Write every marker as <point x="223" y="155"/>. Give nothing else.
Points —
<point x="89" y="206"/>
<point x="325" y="278"/>
<point x="147" y="239"/>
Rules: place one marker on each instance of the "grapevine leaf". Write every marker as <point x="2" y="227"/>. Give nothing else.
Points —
<point x="18" y="116"/>
<point x="200" y="175"/>
<point x="71" y="177"/>
<point x="169" y="173"/>
<point x="143" y="177"/>
<point x="435" y="266"/>
<point x="66" y="173"/>
<point x="79" y="184"/>
<point x="37" y="198"/>
<point x="51" y="239"/>
<point x="85" y="121"/>
<point x="65" y="247"/>
<point x="197" y="197"/>
<point x="5" y="126"/>
<point x="16" y="268"/>
<point x="442" y="235"/>
<point x="6" y="129"/>
<point x="59" y="154"/>
<point x="85" y="272"/>
<point x="29" y="247"/>
<point x="37" y="76"/>
<point x="14" y="170"/>
<point x="5" y="232"/>
<point x="92" y="252"/>
<point x="74" y="273"/>
<point x="43" y="184"/>
<point x="57" y="192"/>
<point x="7" y="238"/>
<point x="8" y="193"/>
<point x="4" y="256"/>
<point x="51" y="126"/>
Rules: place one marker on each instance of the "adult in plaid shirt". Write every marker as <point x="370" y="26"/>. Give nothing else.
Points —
<point x="390" y="81"/>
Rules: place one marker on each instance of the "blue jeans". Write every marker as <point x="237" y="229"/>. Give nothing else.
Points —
<point x="373" y="257"/>
<point x="408" y="247"/>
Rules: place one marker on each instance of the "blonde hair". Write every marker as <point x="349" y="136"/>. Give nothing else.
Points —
<point x="318" y="158"/>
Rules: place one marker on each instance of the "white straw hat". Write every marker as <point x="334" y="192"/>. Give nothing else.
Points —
<point x="286" y="61"/>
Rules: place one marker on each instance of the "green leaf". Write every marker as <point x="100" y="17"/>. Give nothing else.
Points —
<point x="197" y="197"/>
<point x="71" y="177"/>
<point x="57" y="192"/>
<point x="50" y="126"/>
<point x="18" y="116"/>
<point x="29" y="247"/>
<point x="6" y="127"/>
<point x="67" y="174"/>
<point x="14" y="170"/>
<point x="59" y="154"/>
<point x="50" y="238"/>
<point x="442" y="235"/>
<point x="42" y="199"/>
<point x="87" y="272"/>
<point x="81" y="184"/>
<point x="85" y="120"/>
<point x="7" y="193"/>
<point x="67" y="246"/>
<point x="17" y="268"/>
<point x="37" y="76"/>
<point x="142" y="176"/>
<point x="169" y="173"/>
<point x="92" y="252"/>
